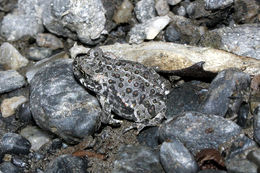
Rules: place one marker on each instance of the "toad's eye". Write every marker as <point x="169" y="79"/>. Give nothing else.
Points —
<point x="95" y="54"/>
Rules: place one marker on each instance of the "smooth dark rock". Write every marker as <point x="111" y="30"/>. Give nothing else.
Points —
<point x="199" y="131"/>
<point x="176" y="158"/>
<point x="226" y="93"/>
<point x="61" y="105"/>
<point x="257" y="125"/>
<point x="217" y="4"/>
<point x="241" y="166"/>
<point x="144" y="10"/>
<point x="246" y="11"/>
<point x="10" y="80"/>
<point x="132" y="159"/>
<point x="243" y="116"/>
<point x="24" y="113"/>
<point x="171" y="34"/>
<point x="39" y="53"/>
<point x="241" y="39"/>
<point x="149" y="137"/>
<point x="13" y="143"/>
<point x="19" y="162"/>
<point x="190" y="95"/>
<point x="84" y="20"/>
<point x="67" y="164"/>
<point x="7" y="167"/>
<point x="254" y="156"/>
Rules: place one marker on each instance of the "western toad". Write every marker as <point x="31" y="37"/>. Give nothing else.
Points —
<point x="128" y="89"/>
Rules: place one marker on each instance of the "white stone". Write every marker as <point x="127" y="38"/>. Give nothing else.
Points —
<point x="155" y="26"/>
<point x="9" y="105"/>
<point x="174" y="2"/>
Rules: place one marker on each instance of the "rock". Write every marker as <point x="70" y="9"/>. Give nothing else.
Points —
<point x="144" y="10"/>
<point x="149" y="137"/>
<point x="84" y="20"/>
<point x="181" y="11"/>
<point x="170" y="56"/>
<point x="36" y="136"/>
<point x="162" y="7"/>
<point x="10" y="80"/>
<point x="217" y="4"/>
<point x="190" y="95"/>
<point x="241" y="39"/>
<point x="226" y="93"/>
<point x="257" y="125"/>
<point x="241" y="166"/>
<point x="176" y="158"/>
<point x="19" y="162"/>
<point x="254" y="156"/>
<point x="49" y="41"/>
<point x="171" y="34"/>
<point x="132" y="159"/>
<point x="243" y="116"/>
<point x="174" y="2"/>
<point x="211" y="171"/>
<point x="39" y="53"/>
<point x="61" y="105"/>
<point x="9" y="106"/>
<point x="8" y="167"/>
<point x="10" y="58"/>
<point x="25" y="20"/>
<point x="199" y="131"/>
<point x="124" y="12"/>
<point x="24" y="113"/>
<point x="13" y="143"/>
<point x="188" y="32"/>
<point x="246" y="11"/>
<point x="7" y="5"/>
<point x="148" y="30"/>
<point x="67" y="163"/>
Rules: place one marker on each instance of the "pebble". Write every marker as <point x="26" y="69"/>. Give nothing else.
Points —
<point x="19" y="162"/>
<point x="257" y="125"/>
<point x="211" y="171"/>
<point x="171" y="34"/>
<point x="60" y="104"/>
<point x="67" y="163"/>
<point x="162" y="7"/>
<point x="199" y="131"/>
<point x="254" y="156"/>
<point x="149" y="137"/>
<point x="39" y="53"/>
<point x="24" y="113"/>
<point x="132" y="159"/>
<point x="241" y="166"/>
<point x="36" y="136"/>
<point x="181" y="11"/>
<point x="124" y="12"/>
<point x="10" y="80"/>
<point x="10" y="105"/>
<point x="217" y="4"/>
<point x="228" y="83"/>
<point x="10" y="58"/>
<point x="148" y="30"/>
<point x="84" y="20"/>
<point x="176" y="158"/>
<point x="49" y="41"/>
<point x="145" y="10"/>
<point x="8" y="167"/>
<point x="13" y="143"/>
<point x="241" y="39"/>
<point x="174" y="2"/>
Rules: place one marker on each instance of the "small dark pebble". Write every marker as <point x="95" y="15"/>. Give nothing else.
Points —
<point x="8" y="167"/>
<point x="17" y="161"/>
<point x="24" y="114"/>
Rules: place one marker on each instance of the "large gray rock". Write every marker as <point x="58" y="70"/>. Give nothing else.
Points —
<point x="84" y="20"/>
<point x="134" y="159"/>
<point x="175" y="157"/>
<point x="59" y="104"/>
<point x="10" y="80"/>
<point x="226" y="93"/>
<point x="241" y="39"/>
<point x="25" y="20"/>
<point x="198" y="131"/>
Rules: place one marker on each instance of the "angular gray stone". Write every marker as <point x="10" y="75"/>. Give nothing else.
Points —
<point x="217" y="4"/>
<point x="227" y="84"/>
<point x="132" y="159"/>
<point x="84" y="20"/>
<point x="10" y="80"/>
<point x="67" y="163"/>
<point x="144" y="10"/>
<point x="61" y="105"/>
<point x="176" y="158"/>
<point x="39" y="53"/>
<point x="199" y="131"/>
<point x="241" y="166"/>
<point x="242" y="40"/>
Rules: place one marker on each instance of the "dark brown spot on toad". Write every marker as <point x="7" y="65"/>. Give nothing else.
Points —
<point x="120" y="85"/>
<point x="135" y="93"/>
<point x="128" y="90"/>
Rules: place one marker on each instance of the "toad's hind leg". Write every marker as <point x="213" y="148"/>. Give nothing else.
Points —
<point x="147" y="123"/>
<point x="107" y="117"/>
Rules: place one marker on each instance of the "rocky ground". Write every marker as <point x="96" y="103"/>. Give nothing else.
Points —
<point x="208" y="49"/>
